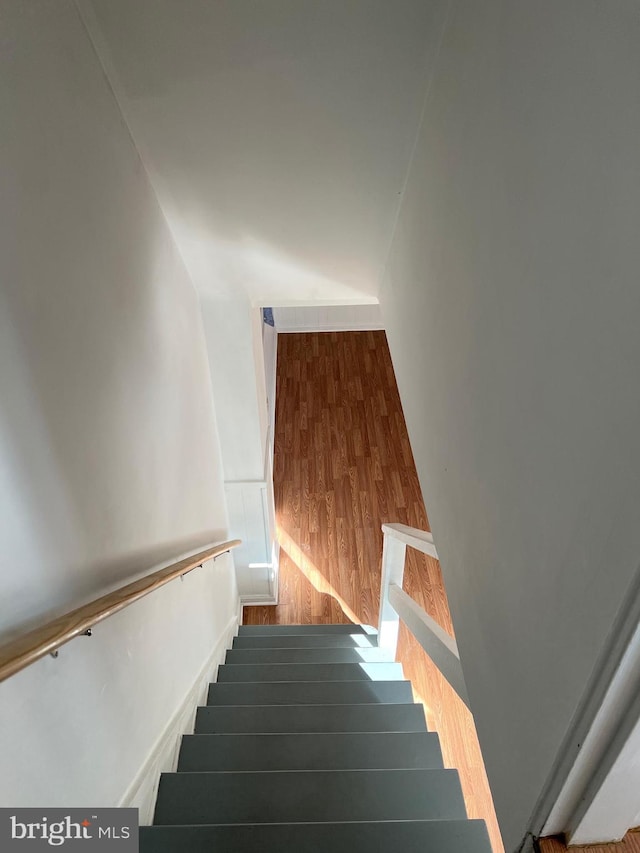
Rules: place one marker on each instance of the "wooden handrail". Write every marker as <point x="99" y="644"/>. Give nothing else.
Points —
<point x="33" y="645"/>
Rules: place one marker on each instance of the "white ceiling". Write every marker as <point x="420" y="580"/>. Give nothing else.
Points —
<point x="277" y="132"/>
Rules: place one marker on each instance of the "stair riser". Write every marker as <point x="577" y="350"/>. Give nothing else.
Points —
<point x="304" y="641"/>
<point x="310" y="693"/>
<point x="259" y="656"/>
<point x="267" y="630"/>
<point x="310" y="718"/>
<point x="405" y="837"/>
<point x="360" y="795"/>
<point x="310" y="672"/>
<point x="310" y="752"/>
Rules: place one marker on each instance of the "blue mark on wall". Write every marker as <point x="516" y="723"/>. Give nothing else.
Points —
<point x="267" y="316"/>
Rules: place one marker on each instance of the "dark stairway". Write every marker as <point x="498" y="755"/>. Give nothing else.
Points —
<point x="310" y="741"/>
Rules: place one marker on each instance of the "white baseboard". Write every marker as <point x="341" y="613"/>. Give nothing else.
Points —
<point x="251" y="600"/>
<point x="332" y="327"/>
<point x="163" y="758"/>
<point x="328" y="318"/>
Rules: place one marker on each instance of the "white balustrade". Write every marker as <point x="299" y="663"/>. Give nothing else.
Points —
<point x="395" y="604"/>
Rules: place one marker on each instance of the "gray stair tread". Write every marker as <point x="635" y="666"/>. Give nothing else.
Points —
<point x="464" y="836"/>
<point x="258" y="630"/>
<point x="229" y="719"/>
<point x="308" y="796"/>
<point x="362" y="655"/>
<point x="310" y="672"/>
<point x="309" y="693"/>
<point x="323" y="751"/>
<point x="304" y="641"/>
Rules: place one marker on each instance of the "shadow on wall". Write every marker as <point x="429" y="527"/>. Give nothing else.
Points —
<point x="229" y="267"/>
<point x="89" y="493"/>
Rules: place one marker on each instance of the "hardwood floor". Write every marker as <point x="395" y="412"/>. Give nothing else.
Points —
<point x="629" y="844"/>
<point x="342" y="467"/>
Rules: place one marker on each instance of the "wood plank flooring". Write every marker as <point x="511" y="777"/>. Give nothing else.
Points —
<point x="342" y="467"/>
<point x="629" y="844"/>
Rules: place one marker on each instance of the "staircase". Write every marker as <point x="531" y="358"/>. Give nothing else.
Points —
<point x="311" y="741"/>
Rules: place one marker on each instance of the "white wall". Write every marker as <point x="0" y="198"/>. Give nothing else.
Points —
<point x="277" y="137"/>
<point x="327" y="318"/>
<point x="249" y="512"/>
<point x="511" y="305"/>
<point x="233" y="331"/>
<point x="278" y="133"/>
<point x="229" y="330"/>
<point x="109" y="462"/>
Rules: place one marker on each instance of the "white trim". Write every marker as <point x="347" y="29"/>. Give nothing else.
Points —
<point x="285" y="302"/>
<point x="163" y="757"/>
<point x="600" y="750"/>
<point x="257" y="600"/>
<point x="393" y="559"/>
<point x="256" y="527"/>
<point x="327" y="318"/>
<point x="395" y="605"/>
<point x="334" y="327"/>
<point x="269" y="508"/>
<point x="603" y="720"/>
<point x="440" y="647"/>
<point x="612" y="811"/>
<point x="421" y="540"/>
<point x="272" y="373"/>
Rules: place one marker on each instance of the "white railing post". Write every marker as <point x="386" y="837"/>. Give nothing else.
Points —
<point x="393" y="556"/>
<point x="395" y="605"/>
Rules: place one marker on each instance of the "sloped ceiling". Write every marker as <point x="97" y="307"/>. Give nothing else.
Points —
<point x="277" y="133"/>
